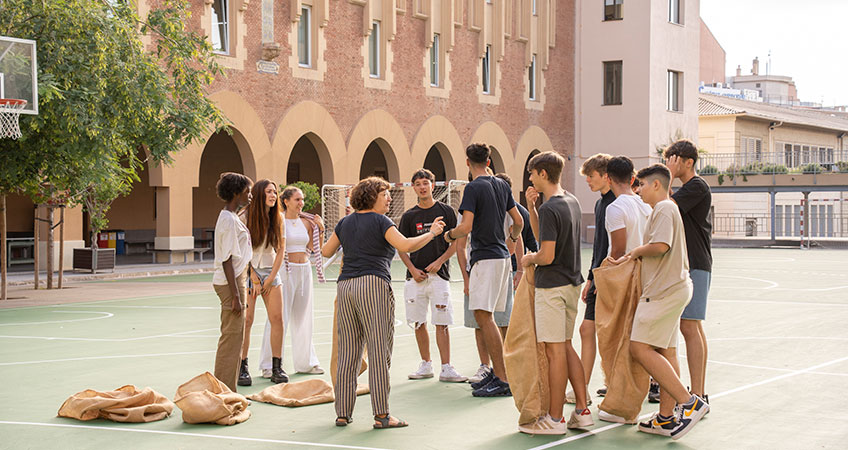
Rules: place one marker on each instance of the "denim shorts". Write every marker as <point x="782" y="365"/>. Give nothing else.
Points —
<point x="263" y="274"/>
<point x="697" y="307"/>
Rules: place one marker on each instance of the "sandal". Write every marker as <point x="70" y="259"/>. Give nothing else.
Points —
<point x="385" y="422"/>
<point x="343" y="421"/>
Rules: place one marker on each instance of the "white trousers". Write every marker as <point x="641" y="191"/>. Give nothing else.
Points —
<point x="297" y="317"/>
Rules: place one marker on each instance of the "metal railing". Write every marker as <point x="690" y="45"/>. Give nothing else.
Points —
<point x="772" y="163"/>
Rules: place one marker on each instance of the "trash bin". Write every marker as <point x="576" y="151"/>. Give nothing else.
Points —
<point x="112" y="239"/>
<point x="120" y="248"/>
<point x="102" y="240"/>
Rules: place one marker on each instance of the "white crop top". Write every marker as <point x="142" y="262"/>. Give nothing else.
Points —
<point x="297" y="237"/>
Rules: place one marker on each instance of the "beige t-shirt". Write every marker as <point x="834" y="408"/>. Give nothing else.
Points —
<point x="664" y="274"/>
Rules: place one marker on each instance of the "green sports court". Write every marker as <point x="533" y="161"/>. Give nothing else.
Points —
<point x="777" y="374"/>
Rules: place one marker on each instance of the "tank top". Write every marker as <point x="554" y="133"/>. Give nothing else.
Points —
<point x="297" y="237"/>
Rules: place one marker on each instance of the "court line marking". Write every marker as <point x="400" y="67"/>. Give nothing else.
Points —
<point x="771" y="284"/>
<point x="178" y="433"/>
<point x="719" y="395"/>
<point x="139" y="338"/>
<point x="776" y="302"/>
<point x="724" y="363"/>
<point x="105" y="315"/>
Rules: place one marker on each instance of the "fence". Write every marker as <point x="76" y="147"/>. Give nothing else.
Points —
<point x="795" y="160"/>
<point x="827" y="219"/>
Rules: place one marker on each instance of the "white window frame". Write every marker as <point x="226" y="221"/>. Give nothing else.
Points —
<point x="674" y="102"/>
<point x="487" y="70"/>
<point x="674" y="9"/>
<point x="434" y="61"/>
<point x="223" y="24"/>
<point x="374" y="69"/>
<point x="305" y="22"/>
<point x="532" y="78"/>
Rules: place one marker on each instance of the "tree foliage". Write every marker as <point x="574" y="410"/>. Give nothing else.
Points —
<point x="108" y="104"/>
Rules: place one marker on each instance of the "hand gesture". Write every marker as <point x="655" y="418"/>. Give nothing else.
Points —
<point x="437" y="226"/>
<point x="587" y="288"/>
<point x="418" y="275"/>
<point x="433" y="267"/>
<point x="319" y="222"/>
<point x="674" y="164"/>
<point x="527" y="260"/>
<point x="619" y="260"/>
<point x="532" y="195"/>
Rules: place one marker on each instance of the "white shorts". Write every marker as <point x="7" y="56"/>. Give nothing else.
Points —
<point x="433" y="291"/>
<point x="489" y="283"/>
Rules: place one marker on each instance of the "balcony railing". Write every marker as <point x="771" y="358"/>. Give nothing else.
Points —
<point x="771" y="163"/>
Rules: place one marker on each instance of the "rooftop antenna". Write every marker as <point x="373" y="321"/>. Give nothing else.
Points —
<point x="768" y="64"/>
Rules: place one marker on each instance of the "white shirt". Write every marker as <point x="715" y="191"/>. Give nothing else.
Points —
<point x="263" y="257"/>
<point x="232" y="239"/>
<point x="630" y="212"/>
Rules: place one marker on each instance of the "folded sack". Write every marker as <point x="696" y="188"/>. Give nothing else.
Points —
<point x="619" y="288"/>
<point x="205" y="399"/>
<point x="302" y="393"/>
<point x="525" y="359"/>
<point x="125" y="404"/>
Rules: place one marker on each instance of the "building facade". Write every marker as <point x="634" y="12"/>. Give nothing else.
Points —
<point x="330" y="91"/>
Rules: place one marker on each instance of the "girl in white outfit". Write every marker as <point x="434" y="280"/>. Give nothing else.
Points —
<point x="265" y="222"/>
<point x="297" y="296"/>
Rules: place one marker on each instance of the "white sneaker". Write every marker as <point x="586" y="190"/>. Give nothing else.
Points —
<point x="572" y="399"/>
<point x="482" y="371"/>
<point x="450" y="375"/>
<point x="266" y="373"/>
<point x="607" y="417"/>
<point x="582" y="420"/>
<point x="315" y="370"/>
<point x="425" y="370"/>
<point x="544" y="425"/>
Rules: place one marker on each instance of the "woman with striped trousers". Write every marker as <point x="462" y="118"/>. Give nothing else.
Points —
<point x="366" y="304"/>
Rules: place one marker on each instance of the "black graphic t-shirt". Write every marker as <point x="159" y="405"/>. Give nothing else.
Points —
<point x="415" y="222"/>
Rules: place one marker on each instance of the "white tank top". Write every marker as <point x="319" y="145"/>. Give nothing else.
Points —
<point x="297" y="237"/>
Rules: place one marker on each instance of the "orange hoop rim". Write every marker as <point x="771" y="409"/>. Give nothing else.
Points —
<point x="13" y="102"/>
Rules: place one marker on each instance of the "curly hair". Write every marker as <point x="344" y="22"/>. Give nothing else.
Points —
<point x="231" y="184"/>
<point x="683" y="148"/>
<point x="423" y="173"/>
<point x="363" y="196"/>
<point x="265" y="227"/>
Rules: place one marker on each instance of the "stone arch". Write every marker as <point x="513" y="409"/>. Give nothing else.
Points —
<point x="310" y="119"/>
<point x="491" y="134"/>
<point x="439" y="131"/>
<point x="377" y="125"/>
<point x="533" y="140"/>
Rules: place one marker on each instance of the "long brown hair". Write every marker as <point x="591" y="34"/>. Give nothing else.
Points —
<point x="264" y="226"/>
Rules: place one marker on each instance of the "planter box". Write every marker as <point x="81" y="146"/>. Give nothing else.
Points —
<point x="85" y="259"/>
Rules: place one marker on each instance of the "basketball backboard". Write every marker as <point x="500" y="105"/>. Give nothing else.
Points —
<point x="18" y="72"/>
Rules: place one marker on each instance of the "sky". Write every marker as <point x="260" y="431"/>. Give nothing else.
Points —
<point x="808" y="41"/>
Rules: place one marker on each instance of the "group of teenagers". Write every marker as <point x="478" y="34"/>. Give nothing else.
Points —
<point x="494" y="239"/>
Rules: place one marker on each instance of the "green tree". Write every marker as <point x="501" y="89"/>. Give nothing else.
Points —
<point x="108" y="104"/>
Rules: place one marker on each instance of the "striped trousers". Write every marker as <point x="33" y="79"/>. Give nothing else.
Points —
<point x="366" y="315"/>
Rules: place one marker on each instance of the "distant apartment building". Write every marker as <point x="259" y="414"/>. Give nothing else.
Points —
<point x="776" y="89"/>
<point x="636" y="81"/>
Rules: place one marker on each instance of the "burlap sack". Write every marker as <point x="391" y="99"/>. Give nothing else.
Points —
<point x="619" y="288"/>
<point x="525" y="359"/>
<point x="205" y="399"/>
<point x="125" y="404"/>
<point x="302" y="393"/>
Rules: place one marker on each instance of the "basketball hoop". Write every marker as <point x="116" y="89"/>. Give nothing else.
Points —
<point x="10" y="112"/>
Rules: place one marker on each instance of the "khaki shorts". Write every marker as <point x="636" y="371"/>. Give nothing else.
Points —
<point x="556" y="311"/>
<point x="656" y="321"/>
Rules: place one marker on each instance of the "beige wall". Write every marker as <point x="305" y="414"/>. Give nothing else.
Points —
<point x="717" y="134"/>
<point x="712" y="56"/>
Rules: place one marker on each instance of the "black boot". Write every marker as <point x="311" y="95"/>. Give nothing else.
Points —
<point x="244" y="375"/>
<point x="278" y="375"/>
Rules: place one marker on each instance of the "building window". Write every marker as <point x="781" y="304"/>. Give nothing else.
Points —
<point x="612" y="82"/>
<point x="532" y="77"/>
<point x="612" y="9"/>
<point x="374" y="50"/>
<point x="751" y="149"/>
<point x="674" y="100"/>
<point x="674" y="11"/>
<point x="434" y="61"/>
<point x="487" y="71"/>
<point x="304" y="37"/>
<point x="220" y="27"/>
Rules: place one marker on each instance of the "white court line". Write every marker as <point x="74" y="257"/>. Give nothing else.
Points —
<point x="771" y="284"/>
<point x="177" y="433"/>
<point x="749" y="366"/>
<point x="835" y="288"/>
<point x="142" y="307"/>
<point x="140" y="338"/>
<point x="719" y="395"/>
<point x="105" y="315"/>
<point x="773" y="302"/>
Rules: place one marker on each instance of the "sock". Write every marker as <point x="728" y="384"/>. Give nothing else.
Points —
<point x="663" y="418"/>
<point x="691" y="400"/>
<point x="445" y="366"/>
<point x="556" y="420"/>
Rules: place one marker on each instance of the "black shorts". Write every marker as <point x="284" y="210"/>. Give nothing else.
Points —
<point x="590" y="305"/>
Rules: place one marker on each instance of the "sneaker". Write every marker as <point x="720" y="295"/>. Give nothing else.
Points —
<point x="315" y="370"/>
<point x="581" y="420"/>
<point x="572" y="399"/>
<point x="496" y="388"/>
<point x="657" y="424"/>
<point x="707" y="401"/>
<point x="266" y="373"/>
<point x="490" y="375"/>
<point x="654" y="393"/>
<point x="450" y="375"/>
<point x="602" y="391"/>
<point x="607" y="417"/>
<point x="544" y="425"/>
<point x="482" y="371"/>
<point x="425" y="370"/>
<point x="244" y="375"/>
<point x="690" y="413"/>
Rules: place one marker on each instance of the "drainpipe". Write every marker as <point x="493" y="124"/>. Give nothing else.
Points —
<point x="772" y="150"/>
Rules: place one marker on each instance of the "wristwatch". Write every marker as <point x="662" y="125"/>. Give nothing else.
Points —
<point x="513" y="239"/>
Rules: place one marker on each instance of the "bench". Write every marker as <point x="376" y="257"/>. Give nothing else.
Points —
<point x="185" y="252"/>
<point x="21" y="243"/>
<point x="138" y="239"/>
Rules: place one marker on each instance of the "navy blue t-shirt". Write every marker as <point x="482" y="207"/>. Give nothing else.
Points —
<point x="530" y="244"/>
<point x="489" y="198"/>
<point x="366" y="250"/>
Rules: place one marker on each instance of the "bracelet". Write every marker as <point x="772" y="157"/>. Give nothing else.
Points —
<point x="513" y="239"/>
<point x="448" y="234"/>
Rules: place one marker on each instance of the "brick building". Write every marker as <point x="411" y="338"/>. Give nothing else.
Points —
<point x="329" y="91"/>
